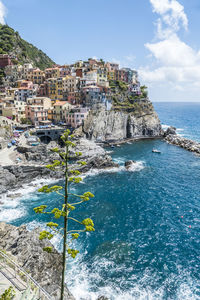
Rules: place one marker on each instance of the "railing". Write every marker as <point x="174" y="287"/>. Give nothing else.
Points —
<point x="30" y="282"/>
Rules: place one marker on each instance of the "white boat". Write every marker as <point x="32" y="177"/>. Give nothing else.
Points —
<point x="156" y="151"/>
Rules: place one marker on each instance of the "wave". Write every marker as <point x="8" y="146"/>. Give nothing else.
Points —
<point x="10" y="206"/>
<point x="164" y="126"/>
<point x="8" y="215"/>
<point x="29" y="188"/>
<point x="135" y="167"/>
<point x="89" y="284"/>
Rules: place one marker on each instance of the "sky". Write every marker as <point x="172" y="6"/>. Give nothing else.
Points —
<point x="159" y="38"/>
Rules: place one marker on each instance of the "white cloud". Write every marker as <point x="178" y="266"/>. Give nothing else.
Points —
<point x="176" y="64"/>
<point x="2" y="13"/>
<point x="172" y="16"/>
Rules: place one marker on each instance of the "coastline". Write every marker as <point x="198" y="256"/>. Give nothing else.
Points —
<point x="187" y="144"/>
<point x="93" y="152"/>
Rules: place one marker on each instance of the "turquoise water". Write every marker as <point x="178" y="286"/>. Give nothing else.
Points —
<point x="147" y="239"/>
<point x="184" y="116"/>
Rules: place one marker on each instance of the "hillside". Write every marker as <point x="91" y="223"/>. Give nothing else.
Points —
<point x="22" y="51"/>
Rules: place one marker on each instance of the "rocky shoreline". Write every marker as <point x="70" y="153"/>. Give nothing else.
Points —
<point x="14" y="240"/>
<point x="34" y="160"/>
<point x="172" y="138"/>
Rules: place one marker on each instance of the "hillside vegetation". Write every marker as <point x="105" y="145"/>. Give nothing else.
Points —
<point x="22" y="51"/>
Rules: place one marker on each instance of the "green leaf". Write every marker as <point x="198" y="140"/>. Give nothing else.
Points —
<point x="45" y="235"/>
<point x="47" y="249"/>
<point x="55" y="149"/>
<point x="75" y="236"/>
<point x="82" y="163"/>
<point x="40" y="209"/>
<point x="72" y="252"/>
<point x="52" y="224"/>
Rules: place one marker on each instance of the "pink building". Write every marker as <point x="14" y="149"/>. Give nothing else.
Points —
<point x="76" y="116"/>
<point x="37" y="110"/>
<point x="112" y="66"/>
<point x="36" y="114"/>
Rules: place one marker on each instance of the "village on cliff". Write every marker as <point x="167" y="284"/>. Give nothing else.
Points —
<point x="61" y="94"/>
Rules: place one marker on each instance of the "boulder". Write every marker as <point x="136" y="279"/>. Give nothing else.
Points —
<point x="7" y="180"/>
<point x="129" y="163"/>
<point x="170" y="130"/>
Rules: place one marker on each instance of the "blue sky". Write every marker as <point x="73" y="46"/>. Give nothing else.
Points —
<point x="159" y="38"/>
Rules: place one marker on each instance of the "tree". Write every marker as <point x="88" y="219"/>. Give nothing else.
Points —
<point x="25" y="121"/>
<point x="68" y="205"/>
<point x="8" y="294"/>
<point x="144" y="91"/>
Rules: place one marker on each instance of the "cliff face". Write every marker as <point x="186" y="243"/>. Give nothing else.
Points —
<point x="27" y="250"/>
<point x="119" y="124"/>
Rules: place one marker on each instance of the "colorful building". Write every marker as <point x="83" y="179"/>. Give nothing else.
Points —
<point x="23" y="93"/>
<point x="58" y="111"/>
<point x="76" y="116"/>
<point x="5" y="60"/>
<point x="36" y="114"/>
<point x="52" y="73"/>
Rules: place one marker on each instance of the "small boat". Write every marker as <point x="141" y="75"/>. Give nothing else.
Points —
<point x="112" y="146"/>
<point x="118" y="146"/>
<point x="156" y="151"/>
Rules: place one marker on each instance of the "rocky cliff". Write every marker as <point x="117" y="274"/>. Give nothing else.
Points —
<point x="27" y="250"/>
<point x="138" y="120"/>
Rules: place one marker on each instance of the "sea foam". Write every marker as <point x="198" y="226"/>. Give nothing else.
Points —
<point x="135" y="167"/>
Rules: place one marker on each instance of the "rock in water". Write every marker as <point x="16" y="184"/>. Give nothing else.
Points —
<point x="129" y="163"/>
<point x="170" y="130"/>
<point x="183" y="143"/>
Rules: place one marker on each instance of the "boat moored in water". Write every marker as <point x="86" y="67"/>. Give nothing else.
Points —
<point x="156" y="151"/>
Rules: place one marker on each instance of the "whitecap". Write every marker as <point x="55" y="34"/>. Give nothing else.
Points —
<point x="164" y="126"/>
<point x="135" y="167"/>
<point x="9" y="215"/>
<point x="119" y="160"/>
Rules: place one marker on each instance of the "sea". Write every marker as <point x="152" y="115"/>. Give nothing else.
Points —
<point x="146" y="244"/>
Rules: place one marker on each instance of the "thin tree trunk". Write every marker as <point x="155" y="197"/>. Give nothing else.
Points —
<point x="65" y="227"/>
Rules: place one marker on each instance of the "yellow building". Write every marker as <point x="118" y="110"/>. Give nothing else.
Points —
<point x="69" y="84"/>
<point x="58" y="115"/>
<point x="102" y="78"/>
<point x="52" y="73"/>
<point x="36" y="76"/>
<point x="111" y="75"/>
<point x="52" y="88"/>
<point x="59" y="88"/>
